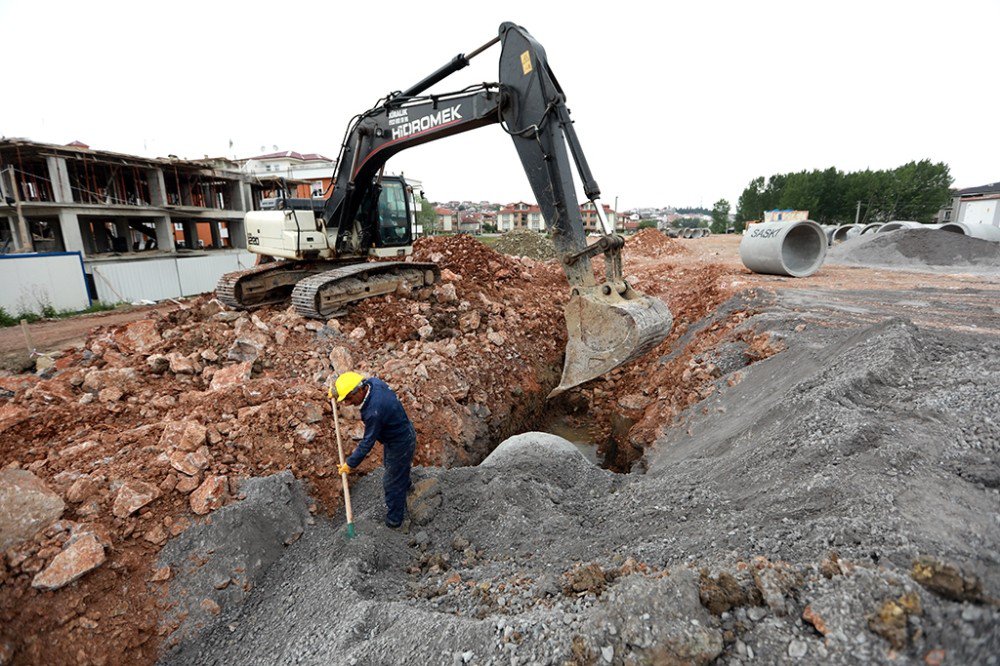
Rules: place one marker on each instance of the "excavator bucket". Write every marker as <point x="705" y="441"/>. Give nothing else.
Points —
<point x="606" y="331"/>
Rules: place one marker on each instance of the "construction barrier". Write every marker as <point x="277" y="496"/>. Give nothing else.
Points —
<point x="38" y="281"/>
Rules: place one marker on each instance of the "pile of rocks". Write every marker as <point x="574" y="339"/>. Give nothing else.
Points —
<point x="653" y="243"/>
<point x="155" y="424"/>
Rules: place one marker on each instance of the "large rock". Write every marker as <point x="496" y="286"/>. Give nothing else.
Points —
<point x="80" y="556"/>
<point x="132" y="496"/>
<point x="189" y="463"/>
<point x="183" y="435"/>
<point x="232" y="376"/>
<point x="139" y="336"/>
<point x="27" y="506"/>
<point x="11" y="415"/>
<point x="209" y="496"/>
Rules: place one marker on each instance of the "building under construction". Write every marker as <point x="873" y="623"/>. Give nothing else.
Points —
<point x="126" y="215"/>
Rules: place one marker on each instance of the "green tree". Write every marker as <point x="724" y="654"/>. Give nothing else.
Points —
<point x="426" y="217"/>
<point x="720" y="217"/>
<point x="647" y="224"/>
<point x="913" y="191"/>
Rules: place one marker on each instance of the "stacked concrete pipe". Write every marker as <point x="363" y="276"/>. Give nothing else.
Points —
<point x="980" y="231"/>
<point x="845" y="232"/>
<point x="896" y="225"/>
<point x="871" y="228"/>
<point x="828" y="229"/>
<point x="796" y="249"/>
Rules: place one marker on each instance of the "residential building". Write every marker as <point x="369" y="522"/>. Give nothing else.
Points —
<point x="591" y="222"/>
<point x="973" y="205"/>
<point x="446" y="219"/>
<point x="312" y="172"/>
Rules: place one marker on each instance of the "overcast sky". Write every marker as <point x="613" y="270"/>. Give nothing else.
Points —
<point x="675" y="103"/>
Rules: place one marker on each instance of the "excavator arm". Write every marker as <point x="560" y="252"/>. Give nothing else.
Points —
<point x="608" y="322"/>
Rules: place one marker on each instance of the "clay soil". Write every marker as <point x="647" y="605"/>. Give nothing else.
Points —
<point x="471" y="359"/>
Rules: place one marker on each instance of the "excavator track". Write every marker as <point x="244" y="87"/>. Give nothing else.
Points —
<point x="326" y="294"/>
<point x="265" y="284"/>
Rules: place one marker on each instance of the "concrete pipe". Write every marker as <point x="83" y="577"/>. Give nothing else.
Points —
<point x="871" y="228"/>
<point x="796" y="249"/>
<point x="687" y="232"/>
<point x="897" y="225"/>
<point x="981" y="231"/>
<point x="845" y="232"/>
<point x="673" y="233"/>
<point x="828" y="229"/>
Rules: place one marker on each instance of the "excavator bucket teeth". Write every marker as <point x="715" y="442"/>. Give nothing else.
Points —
<point x="605" y="332"/>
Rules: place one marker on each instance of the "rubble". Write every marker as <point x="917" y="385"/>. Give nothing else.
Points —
<point x="494" y="544"/>
<point x="27" y="506"/>
<point x="80" y="557"/>
<point x="654" y="244"/>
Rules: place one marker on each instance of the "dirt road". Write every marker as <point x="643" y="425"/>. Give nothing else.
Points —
<point x="56" y="334"/>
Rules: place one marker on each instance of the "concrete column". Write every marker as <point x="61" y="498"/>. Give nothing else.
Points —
<point x="237" y="234"/>
<point x="157" y="188"/>
<point x="190" y="235"/>
<point x="121" y="226"/>
<point x="165" y="233"/>
<point x="72" y="237"/>
<point x="59" y="176"/>
<point x="213" y="226"/>
<point x="235" y="196"/>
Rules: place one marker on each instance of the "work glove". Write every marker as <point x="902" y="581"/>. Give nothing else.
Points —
<point x="343" y="468"/>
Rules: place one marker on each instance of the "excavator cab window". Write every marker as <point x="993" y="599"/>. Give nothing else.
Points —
<point x="393" y="215"/>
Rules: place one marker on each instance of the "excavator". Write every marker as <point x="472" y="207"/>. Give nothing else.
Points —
<point x="329" y="253"/>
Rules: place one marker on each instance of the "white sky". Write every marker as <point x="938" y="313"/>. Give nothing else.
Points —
<point x="675" y="103"/>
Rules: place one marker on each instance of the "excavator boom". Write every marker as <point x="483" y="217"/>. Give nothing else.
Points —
<point x="608" y="322"/>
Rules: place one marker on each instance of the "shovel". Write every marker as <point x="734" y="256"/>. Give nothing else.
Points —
<point x="343" y="477"/>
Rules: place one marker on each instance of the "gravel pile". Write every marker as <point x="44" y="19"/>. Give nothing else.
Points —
<point x="924" y="249"/>
<point x="835" y="502"/>
<point x="524" y="243"/>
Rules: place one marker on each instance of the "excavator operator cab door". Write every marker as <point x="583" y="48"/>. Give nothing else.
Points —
<point x="394" y="230"/>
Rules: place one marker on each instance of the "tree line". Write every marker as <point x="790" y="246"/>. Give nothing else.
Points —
<point x="913" y="191"/>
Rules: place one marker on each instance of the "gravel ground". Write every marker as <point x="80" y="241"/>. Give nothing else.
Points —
<point x="835" y="503"/>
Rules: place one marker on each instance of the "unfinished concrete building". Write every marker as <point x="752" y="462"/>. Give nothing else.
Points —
<point x="125" y="213"/>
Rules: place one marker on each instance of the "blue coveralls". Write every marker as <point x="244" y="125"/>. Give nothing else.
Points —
<point x="386" y="421"/>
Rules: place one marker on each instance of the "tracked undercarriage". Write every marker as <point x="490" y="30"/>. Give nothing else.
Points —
<point x="321" y="289"/>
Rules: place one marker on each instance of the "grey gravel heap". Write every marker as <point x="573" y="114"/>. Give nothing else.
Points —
<point x="838" y="504"/>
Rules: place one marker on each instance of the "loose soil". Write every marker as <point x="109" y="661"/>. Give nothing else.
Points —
<point x="782" y="420"/>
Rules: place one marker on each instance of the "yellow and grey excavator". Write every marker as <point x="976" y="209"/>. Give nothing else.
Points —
<point x="324" y="246"/>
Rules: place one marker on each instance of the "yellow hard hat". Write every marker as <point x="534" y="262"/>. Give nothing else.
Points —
<point x="347" y="382"/>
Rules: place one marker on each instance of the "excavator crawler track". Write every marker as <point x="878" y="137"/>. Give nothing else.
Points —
<point x="265" y="284"/>
<point x="326" y="294"/>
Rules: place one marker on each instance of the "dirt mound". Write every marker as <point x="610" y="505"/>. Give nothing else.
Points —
<point x="155" y="424"/>
<point x="818" y="511"/>
<point x="525" y="243"/>
<point x="654" y="243"/>
<point x="918" y="248"/>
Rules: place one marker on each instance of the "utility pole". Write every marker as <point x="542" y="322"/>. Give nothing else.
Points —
<point x="26" y="244"/>
<point x="857" y="215"/>
<point x="616" y="215"/>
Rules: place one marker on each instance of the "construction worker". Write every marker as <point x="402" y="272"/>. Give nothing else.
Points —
<point x="385" y="421"/>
